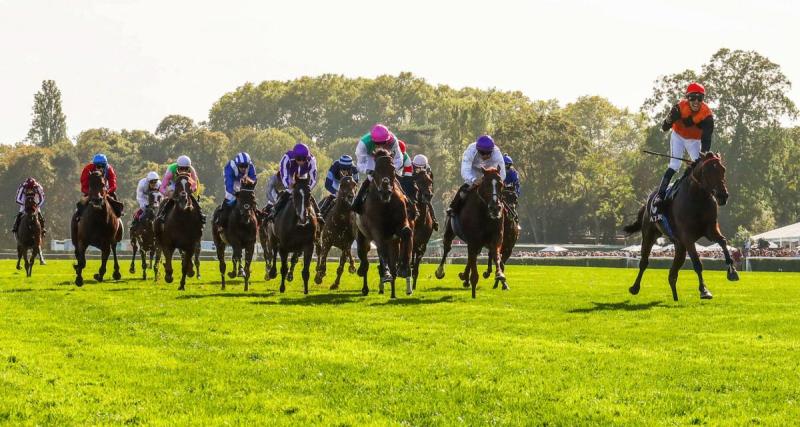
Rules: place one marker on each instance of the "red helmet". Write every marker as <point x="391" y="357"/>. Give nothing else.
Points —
<point x="402" y="145"/>
<point x="30" y="183"/>
<point x="695" y="87"/>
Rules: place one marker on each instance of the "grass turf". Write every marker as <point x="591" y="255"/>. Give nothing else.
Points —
<point x="565" y="346"/>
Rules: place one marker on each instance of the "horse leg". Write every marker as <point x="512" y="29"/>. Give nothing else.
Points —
<point x="41" y="255"/>
<point x="155" y="263"/>
<point x="143" y="255"/>
<point x="240" y="269"/>
<point x="116" y="274"/>
<point x="273" y="270"/>
<point x="339" y="270"/>
<point x="677" y="263"/>
<point x="447" y="241"/>
<point x="284" y="270"/>
<point x="80" y="258"/>
<point x="168" y="266"/>
<point x="197" y="261"/>
<point x="352" y="268"/>
<point x="472" y="267"/>
<point x="308" y="253"/>
<point x="248" y="258"/>
<point x="104" y="253"/>
<point x="295" y="258"/>
<point x="35" y="252"/>
<point x="488" y="271"/>
<point x="222" y="264"/>
<point x="134" y="249"/>
<point x="186" y="266"/>
<point x="403" y="253"/>
<point x="362" y="246"/>
<point x="648" y="240"/>
<point x="322" y="262"/>
<point x="717" y="237"/>
<point x="236" y="256"/>
<point x="499" y="273"/>
<point x="698" y="268"/>
<point x="20" y="253"/>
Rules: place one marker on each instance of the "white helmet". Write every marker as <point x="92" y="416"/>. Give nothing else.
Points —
<point x="420" y="161"/>
<point x="184" y="162"/>
<point x="152" y="176"/>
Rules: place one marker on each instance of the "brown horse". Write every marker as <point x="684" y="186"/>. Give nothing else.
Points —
<point x="294" y="230"/>
<point x="241" y="232"/>
<point x="98" y="226"/>
<point x="385" y="221"/>
<point x="29" y="234"/>
<point x="339" y="231"/>
<point x="182" y="229"/>
<point x="692" y="214"/>
<point x="263" y="238"/>
<point x="510" y="236"/>
<point x="423" y="226"/>
<point x="143" y="238"/>
<point x="479" y="223"/>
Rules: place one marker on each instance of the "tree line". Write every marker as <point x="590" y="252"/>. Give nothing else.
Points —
<point x="581" y="164"/>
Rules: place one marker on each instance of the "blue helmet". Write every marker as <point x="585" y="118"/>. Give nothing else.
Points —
<point x="346" y="160"/>
<point x="242" y="159"/>
<point x="100" y="159"/>
<point x="507" y="159"/>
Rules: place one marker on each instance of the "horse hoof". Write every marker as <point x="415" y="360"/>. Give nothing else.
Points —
<point x="41" y="262"/>
<point x="365" y="292"/>
<point x="283" y="289"/>
<point x="334" y="287"/>
<point x="465" y="284"/>
<point x="79" y="281"/>
<point x="305" y="291"/>
<point x="733" y="276"/>
<point x="351" y="269"/>
<point x="168" y="278"/>
<point x="317" y="279"/>
<point x="132" y="270"/>
<point x="98" y="277"/>
<point x="144" y="276"/>
<point x="462" y="276"/>
<point x="231" y="275"/>
<point x="409" y="293"/>
<point x="633" y="290"/>
<point x="19" y="267"/>
<point x="190" y="274"/>
<point x="116" y="275"/>
<point x="486" y="274"/>
<point x="440" y="273"/>
<point x="706" y="295"/>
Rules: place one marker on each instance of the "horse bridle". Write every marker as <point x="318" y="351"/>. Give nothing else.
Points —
<point x="700" y="168"/>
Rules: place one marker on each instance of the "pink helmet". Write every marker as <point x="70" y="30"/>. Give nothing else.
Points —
<point x="380" y="133"/>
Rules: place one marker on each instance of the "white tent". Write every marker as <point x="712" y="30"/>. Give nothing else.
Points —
<point x="717" y="247"/>
<point x="789" y="233"/>
<point x="697" y="247"/>
<point x="553" y="249"/>
<point x="638" y="248"/>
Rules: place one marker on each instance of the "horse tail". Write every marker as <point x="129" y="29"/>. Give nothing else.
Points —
<point x="636" y="226"/>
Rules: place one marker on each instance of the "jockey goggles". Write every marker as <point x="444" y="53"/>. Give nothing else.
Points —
<point x="695" y="97"/>
<point x="484" y="153"/>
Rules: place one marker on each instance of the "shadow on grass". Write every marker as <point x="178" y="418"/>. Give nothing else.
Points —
<point x="228" y="295"/>
<point x="618" y="306"/>
<point x="17" y="290"/>
<point x="334" y="298"/>
<point x="415" y="301"/>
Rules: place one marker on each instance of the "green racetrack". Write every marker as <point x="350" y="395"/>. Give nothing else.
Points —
<point x="566" y="346"/>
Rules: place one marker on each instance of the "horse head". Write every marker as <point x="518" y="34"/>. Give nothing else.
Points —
<point x="709" y="174"/>
<point x="383" y="176"/>
<point x="183" y="192"/>
<point x="30" y="202"/>
<point x="347" y="189"/>
<point x="490" y="191"/>
<point x="510" y="195"/>
<point x="97" y="189"/>
<point x="246" y="199"/>
<point x="424" y="184"/>
<point x="301" y="198"/>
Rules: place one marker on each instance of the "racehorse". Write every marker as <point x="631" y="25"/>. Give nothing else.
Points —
<point x="339" y="231"/>
<point x="263" y="238"/>
<point x="692" y="214"/>
<point x="29" y="234"/>
<point x="480" y="224"/>
<point x="98" y="226"/>
<point x="423" y="225"/>
<point x="510" y="236"/>
<point x="241" y="232"/>
<point x="294" y="230"/>
<point x="143" y="238"/>
<point x="385" y="221"/>
<point x="182" y="229"/>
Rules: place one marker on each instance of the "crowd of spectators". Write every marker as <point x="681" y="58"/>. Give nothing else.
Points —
<point x="735" y="253"/>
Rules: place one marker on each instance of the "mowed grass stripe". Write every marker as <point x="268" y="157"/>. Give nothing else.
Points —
<point x="564" y="346"/>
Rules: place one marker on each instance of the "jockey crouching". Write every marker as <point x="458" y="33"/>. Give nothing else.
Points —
<point x="420" y="165"/>
<point x="29" y="188"/>
<point x="338" y="170"/>
<point x="241" y="168"/>
<point x="378" y="137"/>
<point x="481" y="154"/>
<point x="146" y="186"/>
<point x="692" y="124"/>
<point x="99" y="163"/>
<point x="181" y="166"/>
<point x="511" y="183"/>
<point x="297" y="162"/>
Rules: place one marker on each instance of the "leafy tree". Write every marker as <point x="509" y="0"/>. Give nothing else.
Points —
<point x="49" y="124"/>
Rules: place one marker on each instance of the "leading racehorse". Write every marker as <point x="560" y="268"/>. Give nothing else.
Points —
<point x="241" y="232"/>
<point x="480" y="224"/>
<point x="29" y="234"/>
<point x="182" y="229"/>
<point x="143" y="238"/>
<point x="692" y="215"/>
<point x="98" y="226"/>
<point x="385" y="221"/>
<point x="339" y="231"/>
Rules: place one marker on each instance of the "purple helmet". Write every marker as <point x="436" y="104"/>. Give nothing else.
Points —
<point x="484" y="143"/>
<point x="380" y="133"/>
<point x="300" y="151"/>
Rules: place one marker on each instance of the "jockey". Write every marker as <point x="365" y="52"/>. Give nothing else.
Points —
<point x="482" y="153"/>
<point x="420" y="165"/>
<point x="338" y="170"/>
<point x="404" y="174"/>
<point x="99" y="163"/>
<point x="297" y="162"/>
<point x="511" y="181"/>
<point x="29" y="186"/>
<point x="692" y="124"/>
<point x="235" y="171"/>
<point x="183" y="165"/>
<point x="146" y="186"/>
<point x="378" y="137"/>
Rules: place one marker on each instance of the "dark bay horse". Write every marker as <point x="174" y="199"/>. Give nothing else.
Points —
<point x="385" y="221"/>
<point x="241" y="232"/>
<point x="97" y="226"/>
<point x="480" y="224"/>
<point x="339" y="231"/>
<point x="423" y="225"/>
<point x="182" y="229"/>
<point x="294" y="230"/>
<point x="29" y="234"/>
<point x="692" y="214"/>
<point x="510" y="236"/>
<point x="263" y="238"/>
<point x="143" y="238"/>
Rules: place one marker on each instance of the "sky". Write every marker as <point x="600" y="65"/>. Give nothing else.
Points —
<point x="127" y="64"/>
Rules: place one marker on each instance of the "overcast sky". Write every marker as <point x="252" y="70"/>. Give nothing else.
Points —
<point x="127" y="64"/>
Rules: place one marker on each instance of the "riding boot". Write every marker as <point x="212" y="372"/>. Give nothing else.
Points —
<point x="455" y="205"/>
<point x="317" y="211"/>
<point x="662" y="189"/>
<point x="196" y="205"/>
<point x="16" y="223"/>
<point x="283" y="198"/>
<point x="41" y="221"/>
<point x="165" y="209"/>
<point x="433" y="217"/>
<point x="326" y="205"/>
<point x="358" y="202"/>
<point x="79" y="207"/>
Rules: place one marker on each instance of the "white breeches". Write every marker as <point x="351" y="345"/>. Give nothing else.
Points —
<point x="677" y="144"/>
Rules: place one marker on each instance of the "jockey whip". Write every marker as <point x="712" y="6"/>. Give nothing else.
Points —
<point x="666" y="155"/>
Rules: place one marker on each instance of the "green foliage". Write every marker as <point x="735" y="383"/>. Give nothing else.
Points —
<point x="49" y="124"/>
